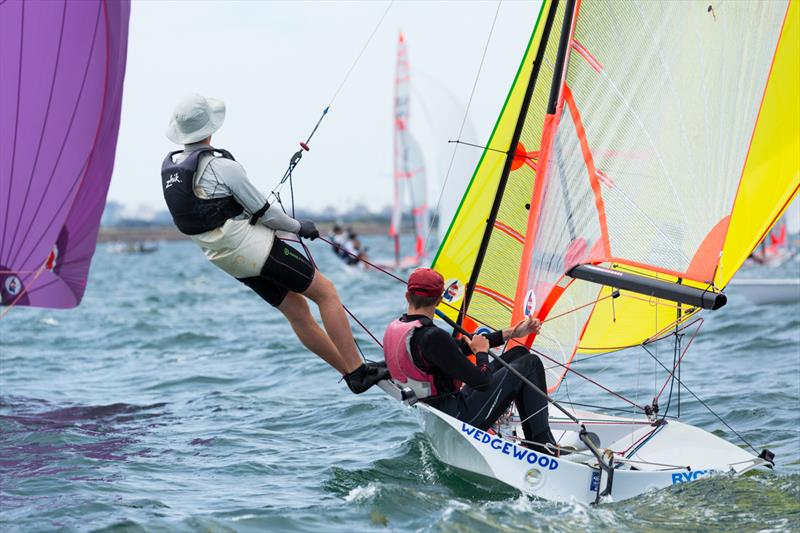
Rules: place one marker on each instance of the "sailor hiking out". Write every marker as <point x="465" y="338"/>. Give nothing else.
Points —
<point x="439" y="369"/>
<point x="212" y="200"/>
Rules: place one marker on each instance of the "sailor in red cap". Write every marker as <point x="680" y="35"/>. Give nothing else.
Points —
<point x="436" y="366"/>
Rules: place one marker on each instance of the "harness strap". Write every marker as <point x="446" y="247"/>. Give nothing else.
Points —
<point x="258" y="214"/>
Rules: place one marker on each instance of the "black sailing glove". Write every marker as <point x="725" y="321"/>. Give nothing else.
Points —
<point x="308" y="230"/>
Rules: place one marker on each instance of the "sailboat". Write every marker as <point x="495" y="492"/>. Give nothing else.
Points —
<point x="60" y="102"/>
<point x="409" y="180"/>
<point x="643" y="151"/>
<point x="774" y="272"/>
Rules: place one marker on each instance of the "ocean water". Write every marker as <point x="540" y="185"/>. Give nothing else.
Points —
<point x="173" y="399"/>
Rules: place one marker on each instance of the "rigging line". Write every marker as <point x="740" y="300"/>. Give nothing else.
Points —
<point x="672" y="377"/>
<point x="570" y="369"/>
<point x="304" y="145"/>
<point x="652" y="301"/>
<point x="615" y="350"/>
<point x="596" y="301"/>
<point x="463" y="123"/>
<point x="649" y="274"/>
<point x="656" y="337"/>
<point x="361" y="53"/>
<point x="704" y="404"/>
<point x="603" y="407"/>
<point x="365" y="261"/>
<point x="487" y="148"/>
<point x="352" y="315"/>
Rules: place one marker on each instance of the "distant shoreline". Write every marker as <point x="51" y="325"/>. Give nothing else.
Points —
<point x="170" y="233"/>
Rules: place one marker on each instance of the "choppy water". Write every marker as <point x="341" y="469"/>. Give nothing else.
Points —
<point x="173" y="399"/>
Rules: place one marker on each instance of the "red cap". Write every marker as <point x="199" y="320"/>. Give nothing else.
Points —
<point x="426" y="282"/>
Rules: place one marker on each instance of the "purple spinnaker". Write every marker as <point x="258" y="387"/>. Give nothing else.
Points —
<point x="62" y="65"/>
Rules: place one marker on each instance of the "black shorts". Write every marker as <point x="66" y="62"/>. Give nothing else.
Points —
<point x="285" y="270"/>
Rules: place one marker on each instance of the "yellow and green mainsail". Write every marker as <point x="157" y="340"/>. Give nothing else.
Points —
<point x="491" y="298"/>
<point x="667" y="146"/>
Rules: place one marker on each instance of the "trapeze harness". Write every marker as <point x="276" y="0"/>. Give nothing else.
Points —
<point x="191" y="214"/>
<point x="397" y="349"/>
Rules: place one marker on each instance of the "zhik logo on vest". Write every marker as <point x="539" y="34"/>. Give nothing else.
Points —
<point x="173" y="179"/>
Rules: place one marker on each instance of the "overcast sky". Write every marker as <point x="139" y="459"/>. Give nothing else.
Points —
<point x="277" y="64"/>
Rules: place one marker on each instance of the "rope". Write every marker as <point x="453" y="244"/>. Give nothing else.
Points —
<point x="704" y="404"/>
<point x="368" y="263"/>
<point x="295" y="159"/>
<point x="361" y="53"/>
<point x="352" y="315"/>
<point x="598" y="300"/>
<point x="463" y="122"/>
<point x="671" y="377"/>
<point x="504" y="152"/>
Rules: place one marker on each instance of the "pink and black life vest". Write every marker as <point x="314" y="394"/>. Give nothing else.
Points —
<point x="397" y="350"/>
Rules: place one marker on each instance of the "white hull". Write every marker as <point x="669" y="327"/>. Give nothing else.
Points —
<point x="653" y="458"/>
<point x="767" y="291"/>
<point x="676" y="453"/>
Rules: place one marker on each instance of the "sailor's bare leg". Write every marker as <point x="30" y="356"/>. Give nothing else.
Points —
<point x="295" y="308"/>
<point x="323" y="293"/>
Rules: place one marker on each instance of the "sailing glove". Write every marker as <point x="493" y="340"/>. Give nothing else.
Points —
<point x="308" y="230"/>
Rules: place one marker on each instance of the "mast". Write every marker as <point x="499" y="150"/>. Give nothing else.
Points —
<point x="400" y="118"/>
<point x="487" y="233"/>
<point x="558" y="69"/>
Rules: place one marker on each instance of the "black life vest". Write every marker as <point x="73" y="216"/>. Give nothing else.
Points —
<point x="191" y="214"/>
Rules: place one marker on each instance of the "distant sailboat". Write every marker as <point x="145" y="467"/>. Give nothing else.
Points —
<point x="775" y="264"/>
<point x="409" y="179"/>
<point x="60" y="99"/>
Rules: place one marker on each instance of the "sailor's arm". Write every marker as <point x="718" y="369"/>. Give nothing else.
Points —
<point x="442" y="351"/>
<point x="523" y="328"/>
<point x="497" y="338"/>
<point x="252" y="199"/>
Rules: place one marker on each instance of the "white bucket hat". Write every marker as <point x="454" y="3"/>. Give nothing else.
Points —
<point x="195" y="118"/>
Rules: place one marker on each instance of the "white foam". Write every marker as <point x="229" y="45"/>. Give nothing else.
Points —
<point x="361" y="494"/>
